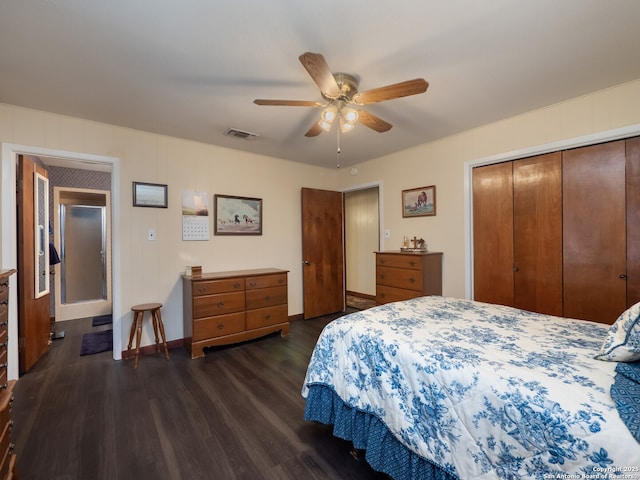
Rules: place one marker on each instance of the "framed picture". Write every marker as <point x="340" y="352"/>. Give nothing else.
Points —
<point x="419" y="202"/>
<point x="237" y="215"/>
<point x="149" y="195"/>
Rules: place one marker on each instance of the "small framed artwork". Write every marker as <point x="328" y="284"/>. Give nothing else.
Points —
<point x="237" y="215"/>
<point x="149" y="195"/>
<point x="419" y="202"/>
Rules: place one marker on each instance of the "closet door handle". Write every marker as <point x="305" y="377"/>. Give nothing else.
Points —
<point x="623" y="276"/>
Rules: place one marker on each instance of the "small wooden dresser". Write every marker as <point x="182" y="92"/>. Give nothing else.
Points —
<point x="7" y="457"/>
<point x="401" y="276"/>
<point x="221" y="308"/>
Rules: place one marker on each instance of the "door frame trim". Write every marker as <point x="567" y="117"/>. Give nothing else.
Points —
<point x="574" y="142"/>
<point x="9" y="257"/>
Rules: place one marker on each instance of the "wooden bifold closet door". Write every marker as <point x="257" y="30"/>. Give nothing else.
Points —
<point x="594" y="229"/>
<point x="573" y="218"/>
<point x="517" y="221"/>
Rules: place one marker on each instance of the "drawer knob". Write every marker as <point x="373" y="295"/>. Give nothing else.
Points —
<point x="202" y="289"/>
<point x="267" y="298"/>
<point x="220" y="326"/>
<point x="236" y="285"/>
<point x="267" y="317"/>
<point x="382" y="275"/>
<point x="4" y="302"/>
<point x="412" y="263"/>
<point x="252" y="284"/>
<point x="281" y="281"/>
<point x="221" y="304"/>
<point x="412" y="280"/>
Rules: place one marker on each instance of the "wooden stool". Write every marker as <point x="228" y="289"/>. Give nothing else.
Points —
<point x="136" y="326"/>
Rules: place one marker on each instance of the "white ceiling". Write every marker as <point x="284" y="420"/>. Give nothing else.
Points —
<point x="192" y="68"/>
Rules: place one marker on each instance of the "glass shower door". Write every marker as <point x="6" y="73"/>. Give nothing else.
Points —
<point x="83" y="246"/>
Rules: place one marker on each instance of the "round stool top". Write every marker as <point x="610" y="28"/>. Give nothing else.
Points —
<point x="146" y="306"/>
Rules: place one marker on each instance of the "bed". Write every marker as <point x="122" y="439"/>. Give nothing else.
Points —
<point x="446" y="388"/>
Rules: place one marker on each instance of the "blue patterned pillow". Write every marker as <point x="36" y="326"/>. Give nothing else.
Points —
<point x="622" y="343"/>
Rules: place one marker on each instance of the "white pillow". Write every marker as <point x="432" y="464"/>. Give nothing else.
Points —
<point x="622" y="343"/>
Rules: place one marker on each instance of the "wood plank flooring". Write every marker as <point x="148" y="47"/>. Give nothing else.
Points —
<point x="235" y="414"/>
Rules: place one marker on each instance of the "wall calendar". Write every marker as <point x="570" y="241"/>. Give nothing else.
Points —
<point x="195" y="216"/>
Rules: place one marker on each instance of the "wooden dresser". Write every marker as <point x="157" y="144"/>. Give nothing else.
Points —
<point x="7" y="457"/>
<point x="401" y="276"/>
<point x="221" y="308"/>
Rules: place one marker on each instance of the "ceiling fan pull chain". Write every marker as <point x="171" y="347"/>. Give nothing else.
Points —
<point x="338" y="149"/>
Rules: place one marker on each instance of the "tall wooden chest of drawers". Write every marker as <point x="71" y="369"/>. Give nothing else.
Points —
<point x="221" y="308"/>
<point x="7" y="457"/>
<point x="401" y="276"/>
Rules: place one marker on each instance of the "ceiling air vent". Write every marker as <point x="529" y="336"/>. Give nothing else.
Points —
<point x="234" y="132"/>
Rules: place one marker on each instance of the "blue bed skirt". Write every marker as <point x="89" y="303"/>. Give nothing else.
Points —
<point x="383" y="451"/>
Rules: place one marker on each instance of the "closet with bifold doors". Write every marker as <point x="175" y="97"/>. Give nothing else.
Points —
<point x="559" y="233"/>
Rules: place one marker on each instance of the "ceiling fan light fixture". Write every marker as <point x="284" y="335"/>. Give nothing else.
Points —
<point x="326" y="126"/>
<point x="346" y="126"/>
<point x="350" y="115"/>
<point x="329" y="114"/>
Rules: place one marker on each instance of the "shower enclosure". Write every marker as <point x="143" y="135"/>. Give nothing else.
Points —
<point x="83" y="241"/>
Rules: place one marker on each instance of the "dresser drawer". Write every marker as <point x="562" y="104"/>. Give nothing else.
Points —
<point x="209" y="305"/>
<point x="210" y="287"/>
<point x="218" y="326"/>
<point x="266" y="281"/>
<point x="399" y="277"/>
<point x="385" y="294"/>
<point x="263" y="317"/>
<point x="5" y="451"/>
<point x="400" y="260"/>
<point x="266" y="297"/>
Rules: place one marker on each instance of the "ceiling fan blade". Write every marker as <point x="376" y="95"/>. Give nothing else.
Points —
<point x="397" y="90"/>
<point x="288" y="103"/>
<point x="314" y="131"/>
<point x="373" y="122"/>
<point x="320" y="72"/>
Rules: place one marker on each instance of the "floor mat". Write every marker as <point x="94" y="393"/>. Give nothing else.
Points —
<point x="96" y="342"/>
<point x="102" y="320"/>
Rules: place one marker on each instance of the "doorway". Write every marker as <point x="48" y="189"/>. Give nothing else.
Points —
<point x="81" y="224"/>
<point x="362" y="239"/>
<point x="9" y="233"/>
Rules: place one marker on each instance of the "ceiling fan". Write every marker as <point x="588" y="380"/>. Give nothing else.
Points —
<point x="343" y="100"/>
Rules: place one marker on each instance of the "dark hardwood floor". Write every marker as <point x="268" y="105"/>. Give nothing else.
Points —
<point x="235" y="414"/>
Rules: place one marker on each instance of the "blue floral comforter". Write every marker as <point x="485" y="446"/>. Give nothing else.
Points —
<point x="482" y="391"/>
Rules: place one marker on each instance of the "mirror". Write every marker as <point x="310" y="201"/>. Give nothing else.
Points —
<point x="40" y="235"/>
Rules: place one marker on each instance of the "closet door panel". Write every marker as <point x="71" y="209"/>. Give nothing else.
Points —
<point x="537" y="229"/>
<point x="493" y="233"/>
<point x="594" y="251"/>
<point x="633" y="221"/>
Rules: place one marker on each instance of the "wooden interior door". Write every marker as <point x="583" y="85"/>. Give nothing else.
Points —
<point x="537" y="233"/>
<point x="633" y="220"/>
<point x="493" y="233"/>
<point x="594" y="231"/>
<point x="33" y="313"/>
<point x="322" y="252"/>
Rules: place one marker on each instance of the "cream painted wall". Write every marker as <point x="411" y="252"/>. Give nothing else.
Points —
<point x="444" y="163"/>
<point x="151" y="270"/>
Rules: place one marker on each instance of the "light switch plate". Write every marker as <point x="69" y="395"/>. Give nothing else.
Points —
<point x="151" y="234"/>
